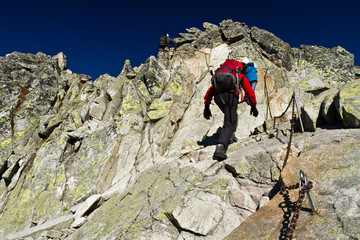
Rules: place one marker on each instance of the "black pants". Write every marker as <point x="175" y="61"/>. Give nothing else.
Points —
<point x="228" y="103"/>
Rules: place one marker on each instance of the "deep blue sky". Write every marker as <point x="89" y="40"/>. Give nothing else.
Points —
<point x="98" y="36"/>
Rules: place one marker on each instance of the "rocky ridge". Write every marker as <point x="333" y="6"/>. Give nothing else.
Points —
<point x="130" y="157"/>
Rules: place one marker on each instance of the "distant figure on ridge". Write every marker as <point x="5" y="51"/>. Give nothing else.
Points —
<point x="225" y="89"/>
<point x="164" y="49"/>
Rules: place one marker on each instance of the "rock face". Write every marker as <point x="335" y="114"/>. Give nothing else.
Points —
<point x="131" y="157"/>
<point x="333" y="167"/>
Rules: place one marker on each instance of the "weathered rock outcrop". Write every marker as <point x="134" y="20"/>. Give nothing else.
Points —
<point x="131" y="157"/>
<point x="330" y="160"/>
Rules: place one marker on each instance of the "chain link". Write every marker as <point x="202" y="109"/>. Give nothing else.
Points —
<point x="296" y="213"/>
<point x="306" y="188"/>
<point x="306" y="185"/>
<point x="292" y="122"/>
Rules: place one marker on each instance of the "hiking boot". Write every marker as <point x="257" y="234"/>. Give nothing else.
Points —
<point x="220" y="152"/>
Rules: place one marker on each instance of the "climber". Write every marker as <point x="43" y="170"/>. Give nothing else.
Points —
<point x="250" y="73"/>
<point x="227" y="98"/>
<point x="164" y="49"/>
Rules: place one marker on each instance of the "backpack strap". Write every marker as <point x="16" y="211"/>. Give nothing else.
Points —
<point x="215" y="85"/>
<point x="238" y="71"/>
<point x="244" y="68"/>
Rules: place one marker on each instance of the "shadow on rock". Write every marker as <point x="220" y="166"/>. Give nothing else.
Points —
<point x="209" y="140"/>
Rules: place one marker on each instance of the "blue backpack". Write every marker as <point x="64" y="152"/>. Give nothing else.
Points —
<point x="250" y="72"/>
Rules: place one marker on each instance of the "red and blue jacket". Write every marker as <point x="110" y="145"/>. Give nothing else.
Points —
<point x="243" y="82"/>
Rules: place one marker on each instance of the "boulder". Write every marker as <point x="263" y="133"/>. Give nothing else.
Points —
<point x="233" y="31"/>
<point x="349" y="98"/>
<point x="276" y="49"/>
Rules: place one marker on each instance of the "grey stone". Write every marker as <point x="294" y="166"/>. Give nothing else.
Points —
<point x="89" y="204"/>
<point x="349" y="98"/>
<point x="61" y="60"/>
<point x="54" y="234"/>
<point x="209" y="27"/>
<point x="28" y="238"/>
<point x="56" y="223"/>
<point x="276" y="49"/>
<point x="78" y="222"/>
<point x="357" y="71"/>
<point x="3" y="194"/>
<point x="41" y="238"/>
<point x="234" y="31"/>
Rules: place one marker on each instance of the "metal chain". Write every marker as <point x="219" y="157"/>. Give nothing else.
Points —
<point x="292" y="122"/>
<point x="287" y="108"/>
<point x="307" y="186"/>
<point x="296" y="213"/>
<point x="285" y="188"/>
<point x="268" y="109"/>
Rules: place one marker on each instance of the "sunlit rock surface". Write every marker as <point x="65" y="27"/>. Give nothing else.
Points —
<point x="131" y="157"/>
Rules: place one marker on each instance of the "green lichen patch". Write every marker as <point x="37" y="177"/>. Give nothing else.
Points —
<point x="86" y="167"/>
<point x="157" y="191"/>
<point x="36" y="198"/>
<point x="219" y="187"/>
<point x="131" y="102"/>
<point x="350" y="104"/>
<point x="159" y="109"/>
<point x="340" y="161"/>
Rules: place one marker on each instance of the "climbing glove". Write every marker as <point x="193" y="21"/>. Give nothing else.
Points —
<point x="254" y="111"/>
<point x="207" y="112"/>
